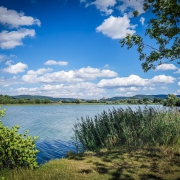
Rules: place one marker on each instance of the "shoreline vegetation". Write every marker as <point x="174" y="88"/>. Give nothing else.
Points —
<point x="168" y="100"/>
<point x="116" y="144"/>
<point x="128" y="129"/>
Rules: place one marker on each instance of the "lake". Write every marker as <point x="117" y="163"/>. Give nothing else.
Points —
<point x="53" y="124"/>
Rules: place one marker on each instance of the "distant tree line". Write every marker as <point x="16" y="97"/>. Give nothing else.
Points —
<point x="132" y="100"/>
<point x="5" y="99"/>
<point x="171" y="100"/>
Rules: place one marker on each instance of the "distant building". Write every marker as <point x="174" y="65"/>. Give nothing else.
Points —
<point x="104" y="98"/>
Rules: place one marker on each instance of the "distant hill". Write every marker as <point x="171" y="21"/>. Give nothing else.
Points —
<point x="140" y="96"/>
<point x="42" y="97"/>
<point x="162" y="96"/>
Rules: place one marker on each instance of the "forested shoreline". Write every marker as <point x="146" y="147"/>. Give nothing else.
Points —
<point x="170" y="100"/>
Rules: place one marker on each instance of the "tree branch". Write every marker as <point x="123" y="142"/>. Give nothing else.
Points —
<point x="151" y="47"/>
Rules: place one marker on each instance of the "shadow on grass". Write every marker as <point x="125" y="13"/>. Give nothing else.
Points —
<point x="86" y="171"/>
<point x="150" y="164"/>
<point x="150" y="176"/>
<point x="101" y="168"/>
<point x="74" y="156"/>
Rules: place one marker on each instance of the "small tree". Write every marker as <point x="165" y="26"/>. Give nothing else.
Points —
<point x="140" y="101"/>
<point x="171" y="100"/>
<point x="157" y="100"/>
<point x="21" y="100"/>
<point x="16" y="150"/>
<point x="46" y="101"/>
<point x="145" y="99"/>
<point x="37" y="101"/>
<point x="78" y="101"/>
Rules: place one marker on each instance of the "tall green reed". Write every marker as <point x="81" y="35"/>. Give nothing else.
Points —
<point x="128" y="128"/>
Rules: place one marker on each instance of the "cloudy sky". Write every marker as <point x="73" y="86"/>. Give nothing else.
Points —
<point x="70" y="48"/>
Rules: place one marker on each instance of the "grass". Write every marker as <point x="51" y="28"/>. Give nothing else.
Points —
<point x="149" y="163"/>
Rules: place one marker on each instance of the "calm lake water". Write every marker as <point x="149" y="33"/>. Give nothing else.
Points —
<point x="53" y="124"/>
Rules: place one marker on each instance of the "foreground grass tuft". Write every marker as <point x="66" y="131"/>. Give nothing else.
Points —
<point x="149" y="163"/>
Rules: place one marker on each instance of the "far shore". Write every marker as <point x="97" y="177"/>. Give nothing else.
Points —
<point x="60" y="104"/>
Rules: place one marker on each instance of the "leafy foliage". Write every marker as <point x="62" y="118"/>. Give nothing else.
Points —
<point x="16" y="150"/>
<point x="172" y="100"/>
<point x="128" y="129"/>
<point x="164" y="28"/>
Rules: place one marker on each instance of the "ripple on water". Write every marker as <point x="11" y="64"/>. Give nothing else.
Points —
<point x="53" y="150"/>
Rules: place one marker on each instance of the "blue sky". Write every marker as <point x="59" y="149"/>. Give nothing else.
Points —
<point x="70" y="48"/>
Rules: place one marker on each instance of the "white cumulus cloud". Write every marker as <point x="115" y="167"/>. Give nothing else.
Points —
<point x="28" y="91"/>
<point x="162" y="79"/>
<point x="116" y="27"/>
<point x="166" y="67"/>
<point x="16" y="68"/>
<point x="93" y="73"/>
<point x="177" y="72"/>
<point x="5" y="82"/>
<point x="127" y="89"/>
<point x="9" y="40"/>
<point x="60" y="76"/>
<point x="39" y="71"/>
<point x="135" y="81"/>
<point x="142" y="20"/>
<point x="104" y="5"/>
<point x="53" y="62"/>
<point x="14" y="19"/>
<point x="78" y="75"/>
<point x="132" y="80"/>
<point x="78" y="90"/>
<point x="128" y="5"/>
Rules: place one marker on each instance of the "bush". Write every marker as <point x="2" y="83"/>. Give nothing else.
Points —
<point x="128" y="129"/>
<point x="16" y="150"/>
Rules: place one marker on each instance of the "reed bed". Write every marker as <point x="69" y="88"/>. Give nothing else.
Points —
<point x="128" y="129"/>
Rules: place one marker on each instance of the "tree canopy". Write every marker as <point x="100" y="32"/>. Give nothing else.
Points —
<point x="164" y="28"/>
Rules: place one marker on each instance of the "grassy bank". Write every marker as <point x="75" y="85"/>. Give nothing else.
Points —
<point x="151" y="163"/>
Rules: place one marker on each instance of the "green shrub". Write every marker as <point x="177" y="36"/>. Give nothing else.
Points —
<point x="128" y="129"/>
<point x="16" y="150"/>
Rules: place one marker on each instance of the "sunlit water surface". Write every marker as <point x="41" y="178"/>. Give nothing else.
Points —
<point x="53" y="124"/>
